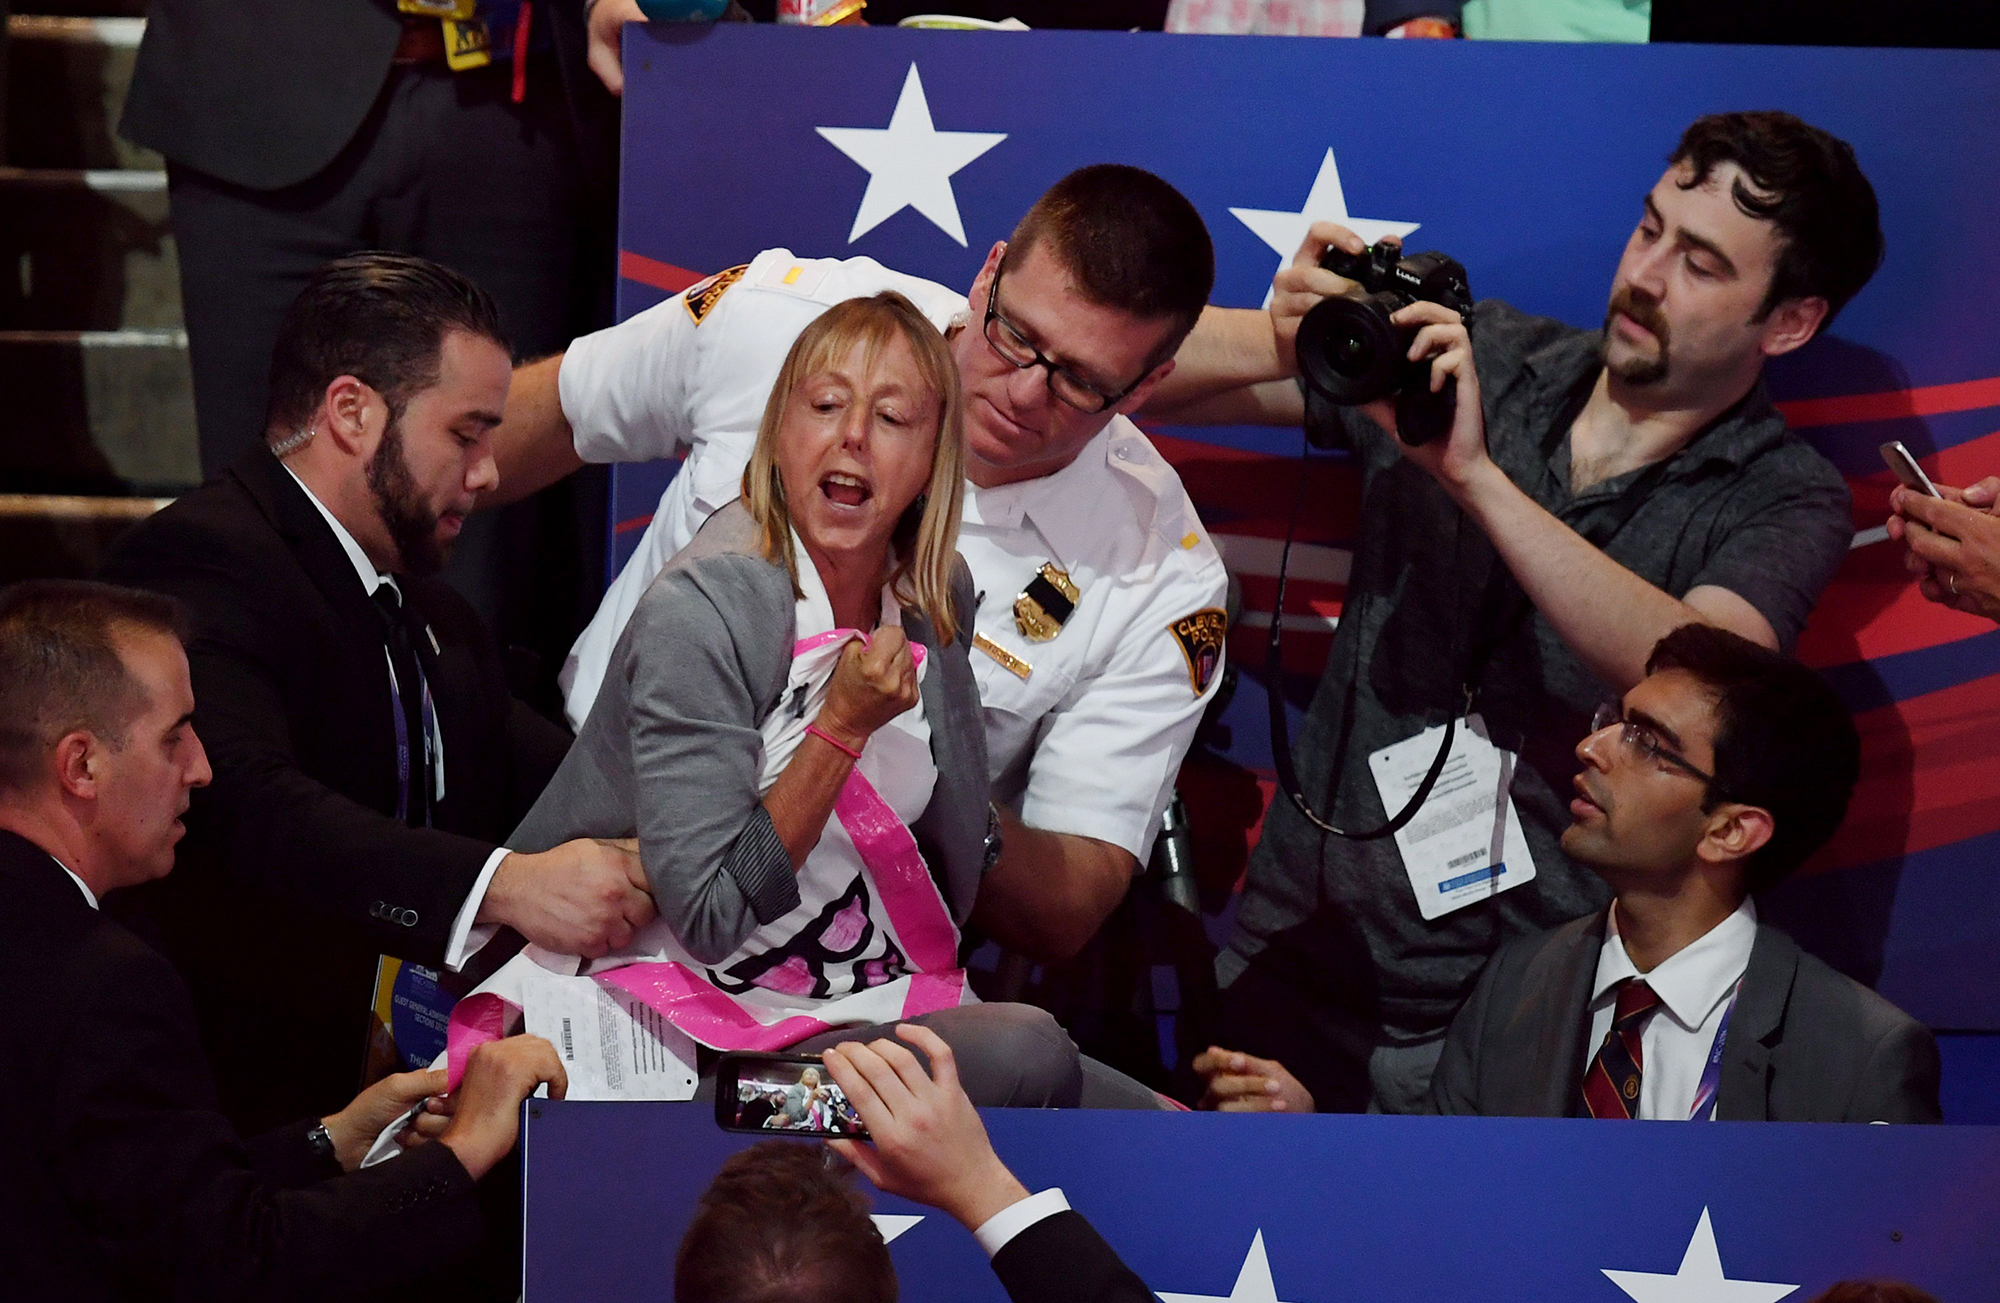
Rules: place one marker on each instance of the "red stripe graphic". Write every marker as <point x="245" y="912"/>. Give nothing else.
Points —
<point x="653" y="272"/>
<point x="1930" y="400"/>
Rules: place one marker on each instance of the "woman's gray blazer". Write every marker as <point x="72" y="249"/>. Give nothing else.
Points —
<point x="671" y="751"/>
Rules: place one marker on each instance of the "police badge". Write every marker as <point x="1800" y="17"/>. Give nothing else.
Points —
<point x="700" y="297"/>
<point x="1045" y="604"/>
<point x="1200" y="636"/>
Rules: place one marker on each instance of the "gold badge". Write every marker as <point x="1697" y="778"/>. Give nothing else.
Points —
<point x="1200" y="637"/>
<point x="1046" y="604"/>
<point x="702" y="296"/>
<point x="1013" y="664"/>
<point x="467" y="44"/>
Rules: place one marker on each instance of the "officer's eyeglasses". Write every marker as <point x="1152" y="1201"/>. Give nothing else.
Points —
<point x="1010" y="345"/>
<point x="1638" y="738"/>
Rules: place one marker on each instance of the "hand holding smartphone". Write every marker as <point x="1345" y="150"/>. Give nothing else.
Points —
<point x="1906" y="469"/>
<point x="782" y="1094"/>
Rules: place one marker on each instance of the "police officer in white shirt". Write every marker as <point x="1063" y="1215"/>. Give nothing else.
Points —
<point x="1100" y="624"/>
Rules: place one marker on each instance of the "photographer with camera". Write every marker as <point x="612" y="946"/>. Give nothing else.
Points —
<point x="1517" y="556"/>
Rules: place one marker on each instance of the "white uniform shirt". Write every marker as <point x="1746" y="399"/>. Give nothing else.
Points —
<point x="1089" y="742"/>
<point x="1694" y="985"/>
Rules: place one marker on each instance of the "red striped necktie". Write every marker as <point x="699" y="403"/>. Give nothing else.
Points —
<point x="1611" y="1085"/>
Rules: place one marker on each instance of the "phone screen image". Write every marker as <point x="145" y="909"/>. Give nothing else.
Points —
<point x="784" y="1096"/>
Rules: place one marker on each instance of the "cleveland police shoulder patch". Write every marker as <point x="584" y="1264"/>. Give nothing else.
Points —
<point x="703" y="295"/>
<point x="1200" y="636"/>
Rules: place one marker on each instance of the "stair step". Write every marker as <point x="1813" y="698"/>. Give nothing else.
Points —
<point x="66" y="83"/>
<point x="86" y="250"/>
<point x="50" y="537"/>
<point x="97" y="412"/>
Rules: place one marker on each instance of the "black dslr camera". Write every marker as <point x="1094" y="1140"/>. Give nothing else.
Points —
<point x="1351" y="353"/>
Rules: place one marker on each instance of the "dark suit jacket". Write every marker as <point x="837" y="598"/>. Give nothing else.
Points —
<point x="118" y="1177"/>
<point x="264" y="93"/>
<point x="295" y="872"/>
<point x="1806" y="1044"/>
<point x="1062" y="1259"/>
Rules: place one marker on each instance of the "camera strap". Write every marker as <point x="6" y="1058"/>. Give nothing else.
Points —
<point x="1281" y="739"/>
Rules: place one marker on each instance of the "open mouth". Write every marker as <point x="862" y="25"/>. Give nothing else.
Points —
<point x="1583" y="806"/>
<point x="844" y="490"/>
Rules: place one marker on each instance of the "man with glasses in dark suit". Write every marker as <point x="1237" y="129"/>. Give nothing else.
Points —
<point x="1723" y="770"/>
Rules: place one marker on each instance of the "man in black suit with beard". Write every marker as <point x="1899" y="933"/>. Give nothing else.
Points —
<point x="368" y="759"/>
<point x="121" y="1180"/>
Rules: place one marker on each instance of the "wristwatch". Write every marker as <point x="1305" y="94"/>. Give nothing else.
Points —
<point x="994" y="839"/>
<point x="320" y="1141"/>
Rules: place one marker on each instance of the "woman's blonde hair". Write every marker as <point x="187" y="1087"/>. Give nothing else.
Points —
<point x="925" y="543"/>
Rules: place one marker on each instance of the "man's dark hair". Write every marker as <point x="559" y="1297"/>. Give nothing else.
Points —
<point x="1784" y="742"/>
<point x="1130" y="240"/>
<point x="60" y="670"/>
<point x="1805" y="182"/>
<point x="379" y="317"/>
<point x="783" y="1223"/>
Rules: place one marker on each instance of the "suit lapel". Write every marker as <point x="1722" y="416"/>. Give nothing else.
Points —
<point x="360" y="663"/>
<point x="1743" y="1094"/>
<point x="1565" y="1034"/>
<point x="319" y="553"/>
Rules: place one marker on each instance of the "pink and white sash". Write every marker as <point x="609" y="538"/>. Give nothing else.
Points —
<point x="629" y="1027"/>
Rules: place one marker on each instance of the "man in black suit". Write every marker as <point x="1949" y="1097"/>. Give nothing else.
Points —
<point x="122" y="1181"/>
<point x="1723" y="771"/>
<point x="296" y="131"/>
<point x="368" y="759"/>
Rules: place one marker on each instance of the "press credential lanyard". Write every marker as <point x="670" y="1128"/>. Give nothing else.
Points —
<point x="1703" y="1109"/>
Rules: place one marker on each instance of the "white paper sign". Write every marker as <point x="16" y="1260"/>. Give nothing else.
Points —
<point x="612" y="1044"/>
<point x="1465" y="844"/>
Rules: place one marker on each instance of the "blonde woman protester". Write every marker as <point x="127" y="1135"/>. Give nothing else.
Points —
<point x="791" y="731"/>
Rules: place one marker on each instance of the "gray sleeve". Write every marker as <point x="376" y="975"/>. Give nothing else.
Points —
<point x="1900" y="1081"/>
<point x="1787" y="543"/>
<point x="1455" y="1081"/>
<point x="699" y="674"/>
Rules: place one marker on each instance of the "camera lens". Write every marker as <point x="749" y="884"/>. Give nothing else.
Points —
<point x="1349" y="350"/>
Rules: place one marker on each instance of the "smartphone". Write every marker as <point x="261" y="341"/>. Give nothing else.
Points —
<point x="782" y="1094"/>
<point x="1906" y="468"/>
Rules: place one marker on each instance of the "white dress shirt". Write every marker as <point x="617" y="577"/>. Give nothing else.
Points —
<point x="89" y="896"/>
<point x="467" y="936"/>
<point x="1695" y="985"/>
<point x="995" y="1231"/>
<point x="1089" y="741"/>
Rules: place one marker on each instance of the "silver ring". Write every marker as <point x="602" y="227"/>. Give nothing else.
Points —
<point x="1951" y="582"/>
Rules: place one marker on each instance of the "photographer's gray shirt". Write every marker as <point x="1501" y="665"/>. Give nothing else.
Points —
<point x="1745" y="506"/>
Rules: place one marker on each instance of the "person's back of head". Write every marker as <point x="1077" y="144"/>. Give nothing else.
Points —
<point x="1808" y="184"/>
<point x="1128" y="240"/>
<point x="783" y="1223"/>
<point x="96" y="749"/>
<point x="1872" y="1291"/>
<point x="1784" y="742"/>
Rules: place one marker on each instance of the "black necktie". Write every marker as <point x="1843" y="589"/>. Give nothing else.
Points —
<point x="409" y="693"/>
